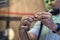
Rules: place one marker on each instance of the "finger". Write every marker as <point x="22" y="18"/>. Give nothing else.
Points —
<point x="25" y="23"/>
<point x="45" y="13"/>
<point x="44" y="21"/>
<point x="36" y="16"/>
<point x="30" y="19"/>
<point x="45" y="16"/>
<point x="25" y="27"/>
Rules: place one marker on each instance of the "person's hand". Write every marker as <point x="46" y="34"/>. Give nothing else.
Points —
<point x="46" y="19"/>
<point x="25" y="24"/>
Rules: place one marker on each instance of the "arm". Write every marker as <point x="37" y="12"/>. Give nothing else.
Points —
<point x="46" y="19"/>
<point x="32" y="36"/>
<point x="32" y="33"/>
<point x="23" y="35"/>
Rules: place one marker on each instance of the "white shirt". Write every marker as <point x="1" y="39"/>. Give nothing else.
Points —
<point x="46" y="33"/>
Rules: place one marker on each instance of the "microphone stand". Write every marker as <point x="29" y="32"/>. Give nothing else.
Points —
<point x="40" y="31"/>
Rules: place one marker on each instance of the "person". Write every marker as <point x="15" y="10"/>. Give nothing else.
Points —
<point x="49" y="22"/>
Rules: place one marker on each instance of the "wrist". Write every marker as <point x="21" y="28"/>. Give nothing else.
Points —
<point x="57" y="29"/>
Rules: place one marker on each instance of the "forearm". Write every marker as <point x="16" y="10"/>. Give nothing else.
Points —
<point x="27" y="35"/>
<point x="32" y="36"/>
<point x="25" y="25"/>
<point x="23" y="35"/>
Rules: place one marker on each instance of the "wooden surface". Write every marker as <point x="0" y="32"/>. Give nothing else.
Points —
<point x="21" y="7"/>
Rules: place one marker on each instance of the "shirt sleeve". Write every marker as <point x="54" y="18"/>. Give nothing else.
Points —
<point x="36" y="27"/>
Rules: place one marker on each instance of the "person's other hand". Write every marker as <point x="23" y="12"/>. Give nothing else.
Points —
<point x="46" y="19"/>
